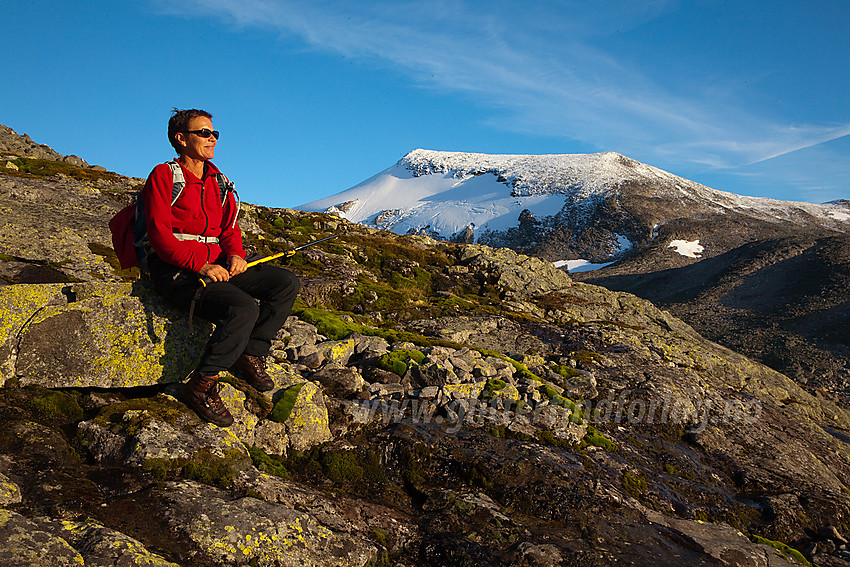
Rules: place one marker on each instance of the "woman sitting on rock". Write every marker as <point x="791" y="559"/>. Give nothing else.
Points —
<point x="198" y="236"/>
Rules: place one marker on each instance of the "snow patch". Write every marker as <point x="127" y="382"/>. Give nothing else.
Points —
<point x="580" y="265"/>
<point x="837" y="215"/>
<point x="691" y="249"/>
<point x="623" y="243"/>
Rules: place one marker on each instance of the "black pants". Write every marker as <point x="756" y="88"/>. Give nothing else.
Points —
<point x="241" y="324"/>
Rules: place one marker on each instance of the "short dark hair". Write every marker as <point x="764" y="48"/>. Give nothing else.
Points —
<point x="179" y="122"/>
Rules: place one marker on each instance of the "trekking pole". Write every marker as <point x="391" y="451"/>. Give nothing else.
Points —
<point x="285" y="254"/>
<point x="291" y="251"/>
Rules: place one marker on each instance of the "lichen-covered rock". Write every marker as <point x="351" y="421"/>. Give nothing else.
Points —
<point x="339" y="381"/>
<point x="337" y="351"/>
<point x="494" y="333"/>
<point x="282" y="374"/>
<point x="245" y="531"/>
<point x="103" y="547"/>
<point x="251" y="430"/>
<point x="9" y="491"/>
<point x="437" y="374"/>
<point x="507" y="392"/>
<point x="24" y="544"/>
<point x="467" y="391"/>
<point x="517" y="275"/>
<point x="161" y="429"/>
<point x="539" y="555"/>
<point x="93" y="335"/>
<point x="369" y="346"/>
<point x="307" y="424"/>
<point x="300" y="332"/>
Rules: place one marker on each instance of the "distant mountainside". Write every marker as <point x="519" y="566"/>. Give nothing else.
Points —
<point x="763" y="276"/>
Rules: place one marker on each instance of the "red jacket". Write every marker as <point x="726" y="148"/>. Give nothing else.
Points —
<point x="197" y="211"/>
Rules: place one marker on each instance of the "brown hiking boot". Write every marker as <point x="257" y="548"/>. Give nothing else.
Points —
<point x="201" y="394"/>
<point x="252" y="369"/>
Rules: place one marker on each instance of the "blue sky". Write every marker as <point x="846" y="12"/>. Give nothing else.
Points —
<point x="313" y="97"/>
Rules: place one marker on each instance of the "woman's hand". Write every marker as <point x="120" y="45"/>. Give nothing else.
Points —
<point x="237" y="265"/>
<point x="215" y="272"/>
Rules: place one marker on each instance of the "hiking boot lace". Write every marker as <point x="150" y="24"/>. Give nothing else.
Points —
<point x="214" y="400"/>
<point x="258" y="363"/>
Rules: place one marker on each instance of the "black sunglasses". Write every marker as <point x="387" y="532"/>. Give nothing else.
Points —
<point x="205" y="133"/>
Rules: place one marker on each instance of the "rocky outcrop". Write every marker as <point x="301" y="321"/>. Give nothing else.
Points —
<point x="515" y="274"/>
<point x="250" y="531"/>
<point x="13" y="143"/>
<point x="93" y="335"/>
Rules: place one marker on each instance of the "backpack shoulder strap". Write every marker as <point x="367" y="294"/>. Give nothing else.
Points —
<point x="177" y="179"/>
<point x="226" y="187"/>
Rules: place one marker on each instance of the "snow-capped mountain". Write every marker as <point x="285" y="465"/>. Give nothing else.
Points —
<point x="593" y="206"/>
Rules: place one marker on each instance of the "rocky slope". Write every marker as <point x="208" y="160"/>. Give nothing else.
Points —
<point x="435" y="404"/>
<point x="782" y="300"/>
<point x="762" y="276"/>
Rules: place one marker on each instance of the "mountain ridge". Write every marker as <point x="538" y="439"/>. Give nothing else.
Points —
<point x="584" y="180"/>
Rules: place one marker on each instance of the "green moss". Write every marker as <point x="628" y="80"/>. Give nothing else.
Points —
<point x="379" y="536"/>
<point x="491" y="388"/>
<point x="567" y="371"/>
<point x="342" y="467"/>
<point x="204" y="467"/>
<point x="497" y="431"/>
<point x="335" y="327"/>
<point x="548" y="438"/>
<point x="137" y="423"/>
<point x="46" y="167"/>
<point x="784" y="550"/>
<point x="412" y="463"/>
<point x="160" y="468"/>
<point x="455" y="302"/>
<point x="382" y="561"/>
<point x="398" y="361"/>
<point x="576" y="414"/>
<point x="331" y="325"/>
<point x="56" y="405"/>
<point x="210" y="469"/>
<point x="160" y="407"/>
<point x="267" y="463"/>
<point x="305" y="463"/>
<point x="520" y="369"/>
<point x="478" y="477"/>
<point x="283" y="407"/>
<point x="374" y="471"/>
<point x="634" y="483"/>
<point x="595" y="438"/>
<point x="548" y="391"/>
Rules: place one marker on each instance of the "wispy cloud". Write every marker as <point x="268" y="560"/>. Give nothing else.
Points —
<point x="540" y="69"/>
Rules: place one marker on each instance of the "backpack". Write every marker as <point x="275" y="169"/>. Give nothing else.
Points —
<point x="128" y="226"/>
